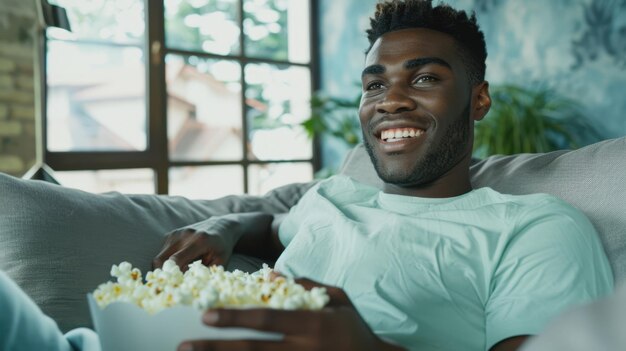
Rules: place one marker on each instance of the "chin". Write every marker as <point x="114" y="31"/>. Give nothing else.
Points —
<point x="399" y="174"/>
<point x="401" y="180"/>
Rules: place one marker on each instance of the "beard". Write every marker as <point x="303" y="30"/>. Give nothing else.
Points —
<point x="439" y="158"/>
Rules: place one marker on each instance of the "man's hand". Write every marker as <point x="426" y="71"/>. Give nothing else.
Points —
<point x="188" y="245"/>
<point x="336" y="327"/>
<point x="215" y="239"/>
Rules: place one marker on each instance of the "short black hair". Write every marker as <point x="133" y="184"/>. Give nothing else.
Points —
<point x="393" y="15"/>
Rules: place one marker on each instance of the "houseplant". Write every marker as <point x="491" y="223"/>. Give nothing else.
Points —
<point x="335" y="117"/>
<point x="531" y="120"/>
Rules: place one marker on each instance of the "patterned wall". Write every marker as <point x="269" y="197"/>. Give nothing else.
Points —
<point x="577" y="47"/>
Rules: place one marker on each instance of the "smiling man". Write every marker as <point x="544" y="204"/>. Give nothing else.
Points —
<point x="429" y="263"/>
<point x="417" y="109"/>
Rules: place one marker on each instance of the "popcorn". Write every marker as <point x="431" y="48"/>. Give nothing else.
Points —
<point x="205" y="287"/>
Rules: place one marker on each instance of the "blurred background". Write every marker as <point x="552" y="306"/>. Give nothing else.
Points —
<point x="205" y="98"/>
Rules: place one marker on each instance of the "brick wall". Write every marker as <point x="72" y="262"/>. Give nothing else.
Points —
<point x="17" y="94"/>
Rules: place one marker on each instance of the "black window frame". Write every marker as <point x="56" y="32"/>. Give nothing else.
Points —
<point x="156" y="156"/>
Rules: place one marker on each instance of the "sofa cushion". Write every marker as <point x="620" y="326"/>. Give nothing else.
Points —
<point x="58" y="243"/>
<point x="592" y="178"/>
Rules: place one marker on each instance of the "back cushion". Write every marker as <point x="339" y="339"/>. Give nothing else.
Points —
<point x="58" y="244"/>
<point x="592" y="179"/>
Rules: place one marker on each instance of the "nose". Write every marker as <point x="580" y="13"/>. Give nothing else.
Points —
<point x="395" y="101"/>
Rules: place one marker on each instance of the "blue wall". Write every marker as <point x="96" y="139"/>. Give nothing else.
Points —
<point x="577" y="47"/>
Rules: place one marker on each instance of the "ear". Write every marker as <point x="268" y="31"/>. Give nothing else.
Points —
<point x="481" y="101"/>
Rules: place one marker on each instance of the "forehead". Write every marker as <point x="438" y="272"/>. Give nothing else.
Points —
<point x="399" y="46"/>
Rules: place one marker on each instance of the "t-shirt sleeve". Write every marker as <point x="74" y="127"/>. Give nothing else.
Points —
<point x="290" y="224"/>
<point x="553" y="260"/>
<point x="323" y="199"/>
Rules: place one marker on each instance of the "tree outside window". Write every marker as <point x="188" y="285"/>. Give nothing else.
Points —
<point x="234" y="78"/>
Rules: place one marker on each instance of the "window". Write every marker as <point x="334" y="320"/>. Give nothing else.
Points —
<point x="200" y="98"/>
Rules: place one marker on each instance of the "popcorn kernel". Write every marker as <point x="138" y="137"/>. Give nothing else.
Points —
<point x="206" y="287"/>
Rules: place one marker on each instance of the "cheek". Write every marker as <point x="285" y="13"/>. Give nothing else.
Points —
<point x="445" y="105"/>
<point x="366" y="112"/>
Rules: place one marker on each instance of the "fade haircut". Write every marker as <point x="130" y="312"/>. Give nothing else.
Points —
<point x="393" y="15"/>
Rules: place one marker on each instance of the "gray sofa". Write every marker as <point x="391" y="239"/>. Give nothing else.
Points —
<point x="59" y="243"/>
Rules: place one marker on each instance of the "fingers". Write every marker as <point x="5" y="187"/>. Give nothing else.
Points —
<point x="265" y="319"/>
<point x="171" y="245"/>
<point x="183" y="247"/>
<point x="192" y="250"/>
<point x="236" y="345"/>
<point x="211" y="259"/>
<point x="186" y="246"/>
<point x="274" y="275"/>
<point x="338" y="297"/>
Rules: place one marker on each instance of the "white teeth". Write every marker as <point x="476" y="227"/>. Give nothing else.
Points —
<point x="398" y="134"/>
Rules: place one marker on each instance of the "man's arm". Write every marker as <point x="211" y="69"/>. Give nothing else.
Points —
<point x="214" y="240"/>
<point x="553" y="261"/>
<point x="510" y="344"/>
<point x="259" y="235"/>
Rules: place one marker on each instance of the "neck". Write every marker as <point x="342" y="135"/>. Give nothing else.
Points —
<point x="454" y="182"/>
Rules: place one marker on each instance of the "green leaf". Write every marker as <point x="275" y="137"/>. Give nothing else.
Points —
<point x="334" y="116"/>
<point x="524" y="119"/>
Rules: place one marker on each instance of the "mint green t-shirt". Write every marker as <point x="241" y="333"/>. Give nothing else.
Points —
<point x="459" y="273"/>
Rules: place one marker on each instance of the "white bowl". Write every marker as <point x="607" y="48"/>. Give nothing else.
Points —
<point x="123" y="326"/>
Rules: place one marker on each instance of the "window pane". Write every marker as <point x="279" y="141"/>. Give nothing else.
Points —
<point x="277" y="98"/>
<point x="209" y="182"/>
<point x="96" y="97"/>
<point x="120" y="21"/>
<point x="204" y="109"/>
<point x="277" y="29"/>
<point x="127" y="181"/>
<point x="205" y="25"/>
<point x="265" y="177"/>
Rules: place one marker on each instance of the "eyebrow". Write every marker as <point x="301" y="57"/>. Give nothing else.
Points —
<point x="423" y="61"/>
<point x="373" y="69"/>
<point x="410" y="64"/>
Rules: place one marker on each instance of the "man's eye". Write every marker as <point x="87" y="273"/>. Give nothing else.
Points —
<point x="374" y="86"/>
<point x="425" y="79"/>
